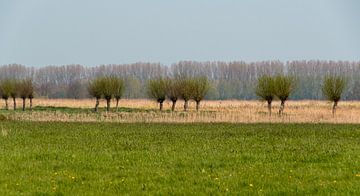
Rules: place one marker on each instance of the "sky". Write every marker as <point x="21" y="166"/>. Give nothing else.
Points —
<point x="93" y="32"/>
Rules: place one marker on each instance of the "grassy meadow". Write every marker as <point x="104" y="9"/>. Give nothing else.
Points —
<point x="91" y="158"/>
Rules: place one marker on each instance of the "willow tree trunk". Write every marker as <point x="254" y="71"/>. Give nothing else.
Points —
<point x="173" y="105"/>
<point x="197" y="105"/>
<point x="186" y="105"/>
<point x="161" y="105"/>
<point x="31" y="104"/>
<point x="117" y="104"/>
<point x="269" y="107"/>
<point x="97" y="105"/>
<point x="334" y="108"/>
<point x="282" y="106"/>
<point x="108" y="104"/>
<point x="23" y="104"/>
<point x="6" y="104"/>
<point x="14" y="100"/>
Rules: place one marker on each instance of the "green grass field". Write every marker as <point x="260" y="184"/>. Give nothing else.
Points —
<point x="112" y="159"/>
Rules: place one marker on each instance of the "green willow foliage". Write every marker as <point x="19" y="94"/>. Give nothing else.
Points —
<point x="186" y="91"/>
<point x="119" y="88"/>
<point x="200" y="87"/>
<point x="106" y="87"/>
<point x="265" y="90"/>
<point x="284" y="86"/>
<point x="108" y="90"/>
<point x="173" y="91"/>
<point x="95" y="90"/>
<point x="333" y="88"/>
<point x="14" y="88"/>
<point x="6" y="88"/>
<point x="157" y="89"/>
<point x="26" y="90"/>
<point x="178" y="88"/>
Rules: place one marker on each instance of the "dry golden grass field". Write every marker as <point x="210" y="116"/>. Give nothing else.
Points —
<point x="233" y="111"/>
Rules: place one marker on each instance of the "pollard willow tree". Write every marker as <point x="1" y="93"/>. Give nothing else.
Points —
<point x="173" y="91"/>
<point x="108" y="89"/>
<point x="119" y="87"/>
<point x="333" y="87"/>
<point x="157" y="89"/>
<point x="15" y="91"/>
<point x="95" y="90"/>
<point x="31" y="95"/>
<point x="284" y="86"/>
<point x="265" y="90"/>
<point x="26" y="90"/>
<point x="6" y="87"/>
<point x="200" y="87"/>
<point x="186" y="91"/>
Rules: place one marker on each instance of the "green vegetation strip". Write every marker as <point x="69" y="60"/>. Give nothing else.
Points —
<point x="114" y="159"/>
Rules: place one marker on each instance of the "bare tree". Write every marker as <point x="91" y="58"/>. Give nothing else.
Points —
<point x="75" y="89"/>
<point x="132" y="87"/>
<point x="232" y="80"/>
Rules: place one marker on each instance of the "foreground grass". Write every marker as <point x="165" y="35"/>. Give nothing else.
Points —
<point x="111" y="158"/>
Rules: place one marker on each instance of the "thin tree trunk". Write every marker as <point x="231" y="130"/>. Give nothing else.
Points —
<point x="334" y="108"/>
<point x="282" y="106"/>
<point x="23" y="104"/>
<point x="269" y="107"/>
<point x="186" y="105"/>
<point x="97" y="105"/>
<point x="31" y="104"/>
<point x="6" y="104"/>
<point x="173" y="105"/>
<point x="197" y="105"/>
<point x="161" y="105"/>
<point x="14" y="100"/>
<point x="117" y="104"/>
<point x="108" y="105"/>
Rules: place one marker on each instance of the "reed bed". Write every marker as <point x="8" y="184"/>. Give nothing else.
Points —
<point x="231" y="111"/>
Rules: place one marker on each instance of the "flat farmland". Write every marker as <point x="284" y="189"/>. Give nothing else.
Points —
<point x="231" y="111"/>
<point x="98" y="158"/>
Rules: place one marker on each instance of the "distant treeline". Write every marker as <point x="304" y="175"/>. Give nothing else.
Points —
<point x="229" y="80"/>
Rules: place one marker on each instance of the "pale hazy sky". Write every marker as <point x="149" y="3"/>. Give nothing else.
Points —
<point x="91" y="32"/>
